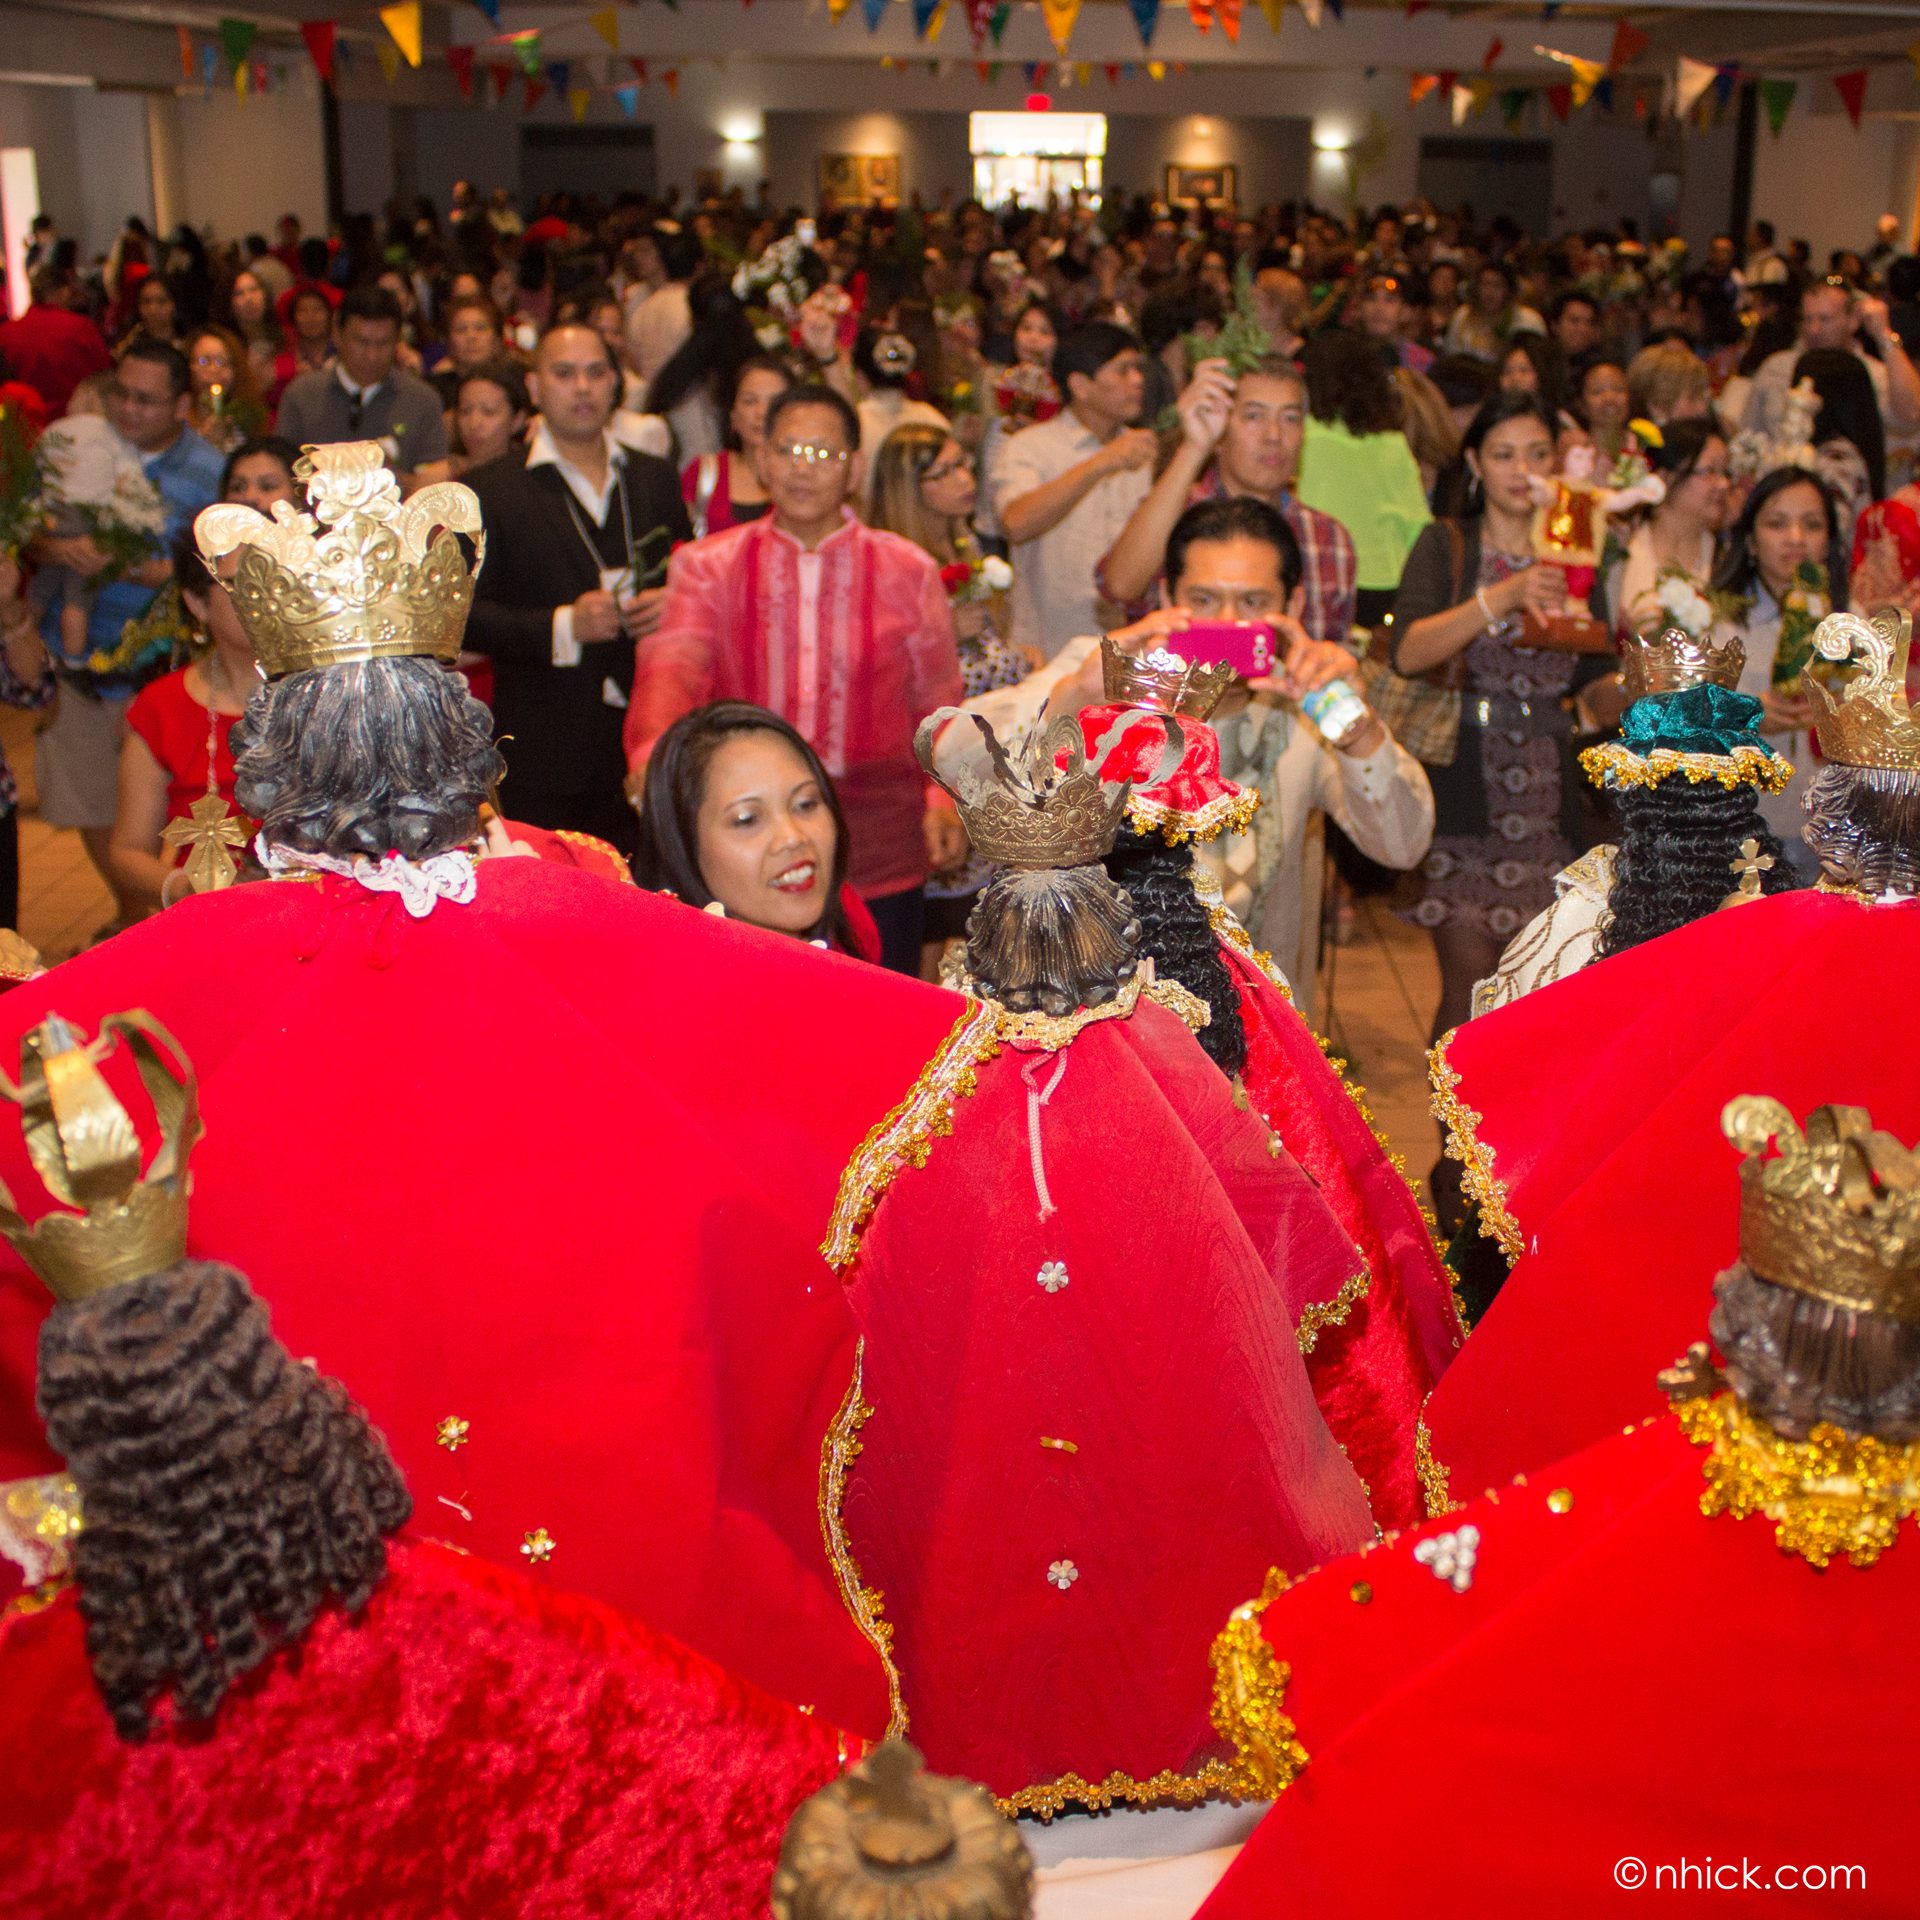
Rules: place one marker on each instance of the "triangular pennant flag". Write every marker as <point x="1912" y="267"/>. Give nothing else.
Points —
<point x="1725" y="77"/>
<point x="671" y="81"/>
<point x="1112" y="71"/>
<point x="938" y="21"/>
<point x="1082" y="73"/>
<point x="1156" y="69"/>
<point x="1200" y="12"/>
<point x="1852" y="89"/>
<point x="639" y="70"/>
<point x="1587" y="74"/>
<point x="606" y="23"/>
<point x="559" y="72"/>
<point x="983" y="72"/>
<point x="993" y="71"/>
<point x="922" y="13"/>
<point x="186" y="55"/>
<point x="1481" y="88"/>
<point x="209" y="66"/>
<point x="835" y="8"/>
<point x="502" y="77"/>
<point x="1495" y="48"/>
<point x="1776" y="96"/>
<point x="1447" y="77"/>
<point x="629" y="99"/>
<point x="491" y="8"/>
<point x="1030" y="72"/>
<point x="1338" y="8"/>
<point x="1458" y="102"/>
<point x="1063" y="76"/>
<point x="403" y="22"/>
<point x="979" y="15"/>
<point x="389" y="57"/>
<point x="1060" y="17"/>
<point x="1690" y="80"/>
<point x="579" y="99"/>
<point x="240" y="80"/>
<point x="1001" y="15"/>
<point x="536" y="89"/>
<point x="319" y="35"/>
<point x="1913" y="54"/>
<point x="1146" y="16"/>
<point x="1419" y="86"/>
<point x="1417" y="6"/>
<point x="236" y="40"/>
<point x="1229" y="11"/>
<point x="1560" y="99"/>
<point x="460" y="59"/>
<point x="875" y="11"/>
<point x="886" y="63"/>
<point x="1311" y="8"/>
<point x="1603" y="93"/>
<point x="526" y="49"/>
<point x="1513" y="103"/>
<point x="1629" y="43"/>
<point x="1550" y="9"/>
<point x="1272" y="9"/>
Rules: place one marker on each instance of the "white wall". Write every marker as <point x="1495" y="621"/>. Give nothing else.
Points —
<point x="1825" y="183"/>
<point x="246" y="162"/>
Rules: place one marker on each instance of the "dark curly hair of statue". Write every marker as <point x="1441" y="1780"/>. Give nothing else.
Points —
<point x="1797" y="1361"/>
<point x="227" y="1489"/>
<point x="376" y="757"/>
<point x="1175" y="930"/>
<point x="1678" y="845"/>
<point x="1052" y="940"/>
<point x="1864" y="828"/>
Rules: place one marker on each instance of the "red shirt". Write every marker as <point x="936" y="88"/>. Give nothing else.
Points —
<point x="174" y="726"/>
<point x="53" y="350"/>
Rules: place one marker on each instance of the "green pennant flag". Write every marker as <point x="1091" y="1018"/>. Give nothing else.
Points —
<point x="1513" y="103"/>
<point x="1777" y="96"/>
<point x="526" y="49"/>
<point x="236" y="40"/>
<point x="998" y="24"/>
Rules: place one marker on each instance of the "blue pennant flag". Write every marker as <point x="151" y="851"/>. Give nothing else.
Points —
<point x="923" y="11"/>
<point x="209" y="65"/>
<point x="629" y="98"/>
<point x="491" y="8"/>
<point x="875" y="10"/>
<point x="558" y="73"/>
<point x="1146" y="16"/>
<point x="1550" y="9"/>
<point x="1726" y="77"/>
<point x="1602" y="95"/>
<point x="1338" y="8"/>
<point x="1031" y="69"/>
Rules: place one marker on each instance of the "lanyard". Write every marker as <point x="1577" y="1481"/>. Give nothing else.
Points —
<point x="580" y="526"/>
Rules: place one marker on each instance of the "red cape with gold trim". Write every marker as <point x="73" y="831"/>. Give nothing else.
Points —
<point x="554" y="1164"/>
<point x="1616" y="1685"/>
<point x="472" y="1743"/>
<point x="1592" y="1111"/>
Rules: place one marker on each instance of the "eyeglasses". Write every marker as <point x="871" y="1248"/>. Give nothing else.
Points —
<point x="809" y="456"/>
<point x="944" y="471"/>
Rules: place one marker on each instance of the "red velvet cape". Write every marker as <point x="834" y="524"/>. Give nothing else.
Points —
<point x="1051" y="1609"/>
<point x="473" y="1743"/>
<point x="1624" y="1680"/>
<point x="555" y="1163"/>
<point x="1598" y="1099"/>
<point x="1372" y="1370"/>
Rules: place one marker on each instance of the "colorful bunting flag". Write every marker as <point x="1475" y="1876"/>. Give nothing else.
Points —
<point x="1200" y="12"/>
<point x="979" y="17"/>
<point x="1603" y="93"/>
<point x="1229" y="11"/>
<point x="1060" y="18"/>
<point x="236" y="40"/>
<point x="319" y="36"/>
<point x="671" y="81"/>
<point x="491" y="8"/>
<point x="1776" y="96"/>
<point x="1560" y="99"/>
<point x="1447" y="77"/>
<point x="186" y="55"/>
<point x="1338" y="8"/>
<point x="1156" y="69"/>
<point x="1725" y="77"/>
<point x="938" y="21"/>
<point x="579" y="99"/>
<point x="460" y="59"/>
<point x="923" y="11"/>
<point x="629" y="99"/>
<point x="534" y="91"/>
<point x="1913" y="54"/>
<point x="1002" y="14"/>
<point x="1691" y="79"/>
<point x="875" y="11"/>
<point x="559" y="72"/>
<point x="1311" y="8"/>
<point x="526" y="49"/>
<point x="1852" y="89"/>
<point x="1587" y="74"/>
<point x="1419" y="86"/>
<point x="1513" y="103"/>
<point x="982" y="71"/>
<point x="389" y="57"/>
<point x="1112" y="71"/>
<point x="1272" y="9"/>
<point x="606" y="23"/>
<point x="501" y="74"/>
<point x="1146" y="16"/>
<point x="209" y="66"/>
<point x="402" y="20"/>
<point x="1495" y="48"/>
<point x="639" y="70"/>
<point x="1629" y="43"/>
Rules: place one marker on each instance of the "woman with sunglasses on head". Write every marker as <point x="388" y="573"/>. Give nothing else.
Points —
<point x="1675" y="544"/>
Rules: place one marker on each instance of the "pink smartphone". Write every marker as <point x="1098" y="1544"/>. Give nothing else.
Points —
<point x="1247" y="646"/>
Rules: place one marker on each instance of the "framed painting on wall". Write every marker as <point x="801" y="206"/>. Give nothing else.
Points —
<point x="1203" y="186"/>
<point x="861" y="178"/>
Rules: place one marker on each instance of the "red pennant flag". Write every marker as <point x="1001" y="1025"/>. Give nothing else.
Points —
<point x="460" y="59"/>
<point x="984" y="68"/>
<point x="536" y="87"/>
<point x="186" y="55"/>
<point x="671" y="81"/>
<point x="639" y="70"/>
<point x="1495" y="48"/>
<point x="318" y="34"/>
<point x="502" y="76"/>
<point x="1112" y="71"/>
<point x="1629" y="43"/>
<point x="1447" y="78"/>
<point x="1419" y="86"/>
<point x="1560" y="99"/>
<point x="1417" y="6"/>
<point x="1852" y="89"/>
<point x="979" y="21"/>
<point x="1201" y="14"/>
<point x="1229" y="11"/>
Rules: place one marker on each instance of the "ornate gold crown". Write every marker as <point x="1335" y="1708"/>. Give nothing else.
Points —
<point x="1673" y="661"/>
<point x="1163" y="681"/>
<point x="1056" y="811"/>
<point x="1835" y="1213"/>
<point x="86" y="1150"/>
<point x="1860" y="703"/>
<point x="377" y="585"/>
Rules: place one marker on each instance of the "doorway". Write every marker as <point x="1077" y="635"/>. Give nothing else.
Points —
<point x="1493" y="177"/>
<point x="605" y="160"/>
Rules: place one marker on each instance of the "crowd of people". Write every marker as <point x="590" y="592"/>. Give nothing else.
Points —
<point x="488" y="659"/>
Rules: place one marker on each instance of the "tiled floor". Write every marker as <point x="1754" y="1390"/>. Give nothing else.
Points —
<point x="1382" y="988"/>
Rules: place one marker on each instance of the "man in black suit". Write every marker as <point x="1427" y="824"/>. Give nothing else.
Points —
<point x="556" y="606"/>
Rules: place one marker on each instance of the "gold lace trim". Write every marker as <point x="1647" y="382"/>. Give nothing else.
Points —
<point x="1249" y="1701"/>
<point x="1616" y="765"/>
<point x="1322" y="1314"/>
<point x="1464" y="1144"/>
<point x="1224" y="813"/>
<point x="905" y="1137"/>
<point x="1049" y="1032"/>
<point x="1435" y="1488"/>
<point x="622" y="873"/>
<point x="866" y="1604"/>
<point x="1214" y="1780"/>
<point x="1178" y="999"/>
<point x="1831" y="1493"/>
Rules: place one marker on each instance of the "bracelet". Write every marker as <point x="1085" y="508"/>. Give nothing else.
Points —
<point x="1486" y="611"/>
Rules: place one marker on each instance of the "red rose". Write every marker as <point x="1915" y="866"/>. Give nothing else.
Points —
<point x="956" y="576"/>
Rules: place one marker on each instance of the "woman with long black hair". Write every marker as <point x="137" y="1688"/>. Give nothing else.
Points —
<point x="692" y="390"/>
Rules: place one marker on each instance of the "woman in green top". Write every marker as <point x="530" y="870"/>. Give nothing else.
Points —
<point x="1356" y="465"/>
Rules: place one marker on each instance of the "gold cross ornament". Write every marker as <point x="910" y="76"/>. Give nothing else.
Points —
<point x="208" y="834"/>
<point x="1751" y="864"/>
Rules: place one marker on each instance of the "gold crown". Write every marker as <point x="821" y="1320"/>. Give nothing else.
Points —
<point x="1162" y="681"/>
<point x="1860" y="703"/>
<point x="1835" y="1213"/>
<point x="1046" y="814"/>
<point x="379" y="584"/>
<point x="86" y="1151"/>
<point x="1673" y="661"/>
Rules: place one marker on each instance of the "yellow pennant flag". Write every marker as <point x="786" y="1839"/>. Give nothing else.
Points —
<point x="835" y="8"/>
<point x="1156" y="69"/>
<point x="389" y="59"/>
<point x="403" y="22"/>
<point x="936" y="22"/>
<point x="1273" y="9"/>
<point x="1061" y="15"/>
<point x="1083" y="73"/>
<point x="240" y="79"/>
<point x="1587" y="74"/>
<point x="606" y="23"/>
<point x="578" y="99"/>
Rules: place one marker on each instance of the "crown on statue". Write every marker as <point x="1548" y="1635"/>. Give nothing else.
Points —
<point x="86" y="1150"/>
<point x="1835" y="1213"/>
<point x="1673" y="661"/>
<point x="1860" y="701"/>
<point x="385" y="580"/>
<point x="1056" y="810"/>
<point x="1162" y="680"/>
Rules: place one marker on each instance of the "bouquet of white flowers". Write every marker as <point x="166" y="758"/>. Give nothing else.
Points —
<point x="92" y="483"/>
<point x="773" y="288"/>
<point x="1682" y="604"/>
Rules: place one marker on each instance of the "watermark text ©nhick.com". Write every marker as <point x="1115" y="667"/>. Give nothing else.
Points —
<point x="1708" y="1875"/>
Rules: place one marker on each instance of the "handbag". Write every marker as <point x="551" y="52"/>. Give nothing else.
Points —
<point x="1421" y="711"/>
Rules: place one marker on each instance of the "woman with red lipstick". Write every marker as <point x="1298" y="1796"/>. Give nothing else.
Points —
<point x="739" y="817"/>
